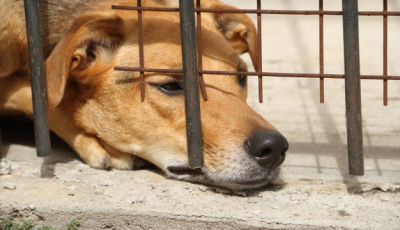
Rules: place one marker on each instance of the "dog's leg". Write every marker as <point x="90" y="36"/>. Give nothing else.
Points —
<point x="98" y="154"/>
<point x="88" y="147"/>
<point x="91" y="151"/>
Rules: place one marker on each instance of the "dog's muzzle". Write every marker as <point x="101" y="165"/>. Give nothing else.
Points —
<point x="262" y="153"/>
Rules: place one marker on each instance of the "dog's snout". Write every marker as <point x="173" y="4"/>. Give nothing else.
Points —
<point x="268" y="147"/>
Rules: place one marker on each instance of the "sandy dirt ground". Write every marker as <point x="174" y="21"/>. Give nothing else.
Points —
<point x="315" y="192"/>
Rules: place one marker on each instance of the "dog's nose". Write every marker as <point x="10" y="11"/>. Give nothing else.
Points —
<point x="268" y="147"/>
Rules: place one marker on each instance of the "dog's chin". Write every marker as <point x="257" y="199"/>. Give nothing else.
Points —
<point x="235" y="183"/>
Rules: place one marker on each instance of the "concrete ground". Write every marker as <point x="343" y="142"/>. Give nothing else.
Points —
<point x="316" y="191"/>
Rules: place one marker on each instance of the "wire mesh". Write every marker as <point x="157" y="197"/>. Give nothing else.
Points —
<point x="354" y="128"/>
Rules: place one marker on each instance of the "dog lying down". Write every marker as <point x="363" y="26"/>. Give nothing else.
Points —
<point x="98" y="111"/>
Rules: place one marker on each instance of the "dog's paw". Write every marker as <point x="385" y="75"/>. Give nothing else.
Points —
<point x="100" y="162"/>
<point x="126" y="161"/>
<point x="91" y="151"/>
<point x="122" y="161"/>
<point x="119" y="160"/>
<point x="98" y="154"/>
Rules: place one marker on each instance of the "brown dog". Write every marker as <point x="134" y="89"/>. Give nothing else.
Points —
<point x="98" y="111"/>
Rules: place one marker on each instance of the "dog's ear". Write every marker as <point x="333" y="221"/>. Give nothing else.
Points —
<point x="238" y="29"/>
<point x="82" y="52"/>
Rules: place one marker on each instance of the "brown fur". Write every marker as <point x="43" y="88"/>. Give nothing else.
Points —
<point x="98" y="111"/>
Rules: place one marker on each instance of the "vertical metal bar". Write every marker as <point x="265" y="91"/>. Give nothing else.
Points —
<point x="321" y="52"/>
<point x="36" y="67"/>
<point x="200" y="53"/>
<point x="141" y="53"/>
<point x="385" y="54"/>
<point x="190" y="73"/>
<point x="352" y="84"/>
<point x="259" y="40"/>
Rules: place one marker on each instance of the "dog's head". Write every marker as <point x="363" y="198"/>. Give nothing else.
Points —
<point x="241" y="149"/>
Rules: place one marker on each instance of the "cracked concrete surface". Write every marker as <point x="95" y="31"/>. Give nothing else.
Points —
<point x="316" y="191"/>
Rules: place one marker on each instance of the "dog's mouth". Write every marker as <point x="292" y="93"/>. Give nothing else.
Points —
<point x="202" y="175"/>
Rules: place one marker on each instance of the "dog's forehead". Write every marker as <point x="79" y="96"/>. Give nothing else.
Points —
<point x="162" y="44"/>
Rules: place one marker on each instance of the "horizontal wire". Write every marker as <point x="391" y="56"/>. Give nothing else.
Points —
<point x="255" y="11"/>
<point x="264" y="74"/>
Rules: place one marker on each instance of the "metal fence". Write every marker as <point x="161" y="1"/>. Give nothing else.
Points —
<point x="193" y="69"/>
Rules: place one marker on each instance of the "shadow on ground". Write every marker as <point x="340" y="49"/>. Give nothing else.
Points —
<point x="20" y="132"/>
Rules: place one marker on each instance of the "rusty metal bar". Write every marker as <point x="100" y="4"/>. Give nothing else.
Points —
<point x="151" y="70"/>
<point x="37" y="75"/>
<point x="262" y="11"/>
<point x="352" y="85"/>
<point x="378" y="13"/>
<point x="259" y="50"/>
<point x="200" y="52"/>
<point x="190" y="74"/>
<point x="298" y="12"/>
<point x="141" y="53"/>
<point x="385" y="54"/>
<point x="379" y="77"/>
<point x="269" y="74"/>
<point x="321" y="52"/>
<point x="144" y="8"/>
<point x="256" y="11"/>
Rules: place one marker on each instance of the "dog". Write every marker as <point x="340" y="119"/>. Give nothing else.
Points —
<point x="98" y="110"/>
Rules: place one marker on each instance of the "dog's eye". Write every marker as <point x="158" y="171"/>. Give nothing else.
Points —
<point x="171" y="88"/>
<point x="242" y="79"/>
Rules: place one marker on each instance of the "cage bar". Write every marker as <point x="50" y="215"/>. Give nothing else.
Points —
<point x="385" y="54"/>
<point x="352" y="87"/>
<point x="321" y="52"/>
<point x="191" y="79"/>
<point x="141" y="53"/>
<point x="259" y="55"/>
<point x="37" y="75"/>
